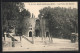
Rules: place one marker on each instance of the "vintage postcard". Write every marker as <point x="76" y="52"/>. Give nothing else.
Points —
<point x="39" y="26"/>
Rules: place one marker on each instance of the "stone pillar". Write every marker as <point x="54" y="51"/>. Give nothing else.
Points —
<point x="41" y="25"/>
<point x="13" y="41"/>
<point x="20" y="38"/>
<point x="5" y="36"/>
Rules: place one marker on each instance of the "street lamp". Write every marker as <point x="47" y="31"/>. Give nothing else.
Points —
<point x="41" y="27"/>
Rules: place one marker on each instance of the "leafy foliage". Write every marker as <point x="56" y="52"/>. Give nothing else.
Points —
<point x="25" y="13"/>
<point x="14" y="13"/>
<point x="60" y="20"/>
<point x="11" y="10"/>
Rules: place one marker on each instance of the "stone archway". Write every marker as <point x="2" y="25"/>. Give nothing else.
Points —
<point x="37" y="33"/>
<point x="30" y="34"/>
<point x="47" y="34"/>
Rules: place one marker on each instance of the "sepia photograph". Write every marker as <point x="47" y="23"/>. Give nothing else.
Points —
<point x="39" y="26"/>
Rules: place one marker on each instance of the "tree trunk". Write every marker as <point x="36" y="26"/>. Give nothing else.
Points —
<point x="32" y="39"/>
<point x="49" y="37"/>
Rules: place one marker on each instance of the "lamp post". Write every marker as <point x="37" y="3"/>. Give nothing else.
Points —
<point x="41" y="27"/>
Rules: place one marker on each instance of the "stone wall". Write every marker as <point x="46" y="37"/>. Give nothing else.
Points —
<point x="29" y="26"/>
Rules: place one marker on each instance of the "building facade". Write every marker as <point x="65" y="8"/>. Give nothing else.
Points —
<point x="35" y="27"/>
<point x="29" y="26"/>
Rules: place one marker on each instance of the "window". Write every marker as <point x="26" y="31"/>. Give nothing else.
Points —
<point x="31" y="28"/>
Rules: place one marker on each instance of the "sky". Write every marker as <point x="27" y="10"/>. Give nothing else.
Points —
<point x="34" y="7"/>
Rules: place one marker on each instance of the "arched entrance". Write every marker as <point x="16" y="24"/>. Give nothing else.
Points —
<point x="47" y="34"/>
<point x="37" y="33"/>
<point x="30" y="34"/>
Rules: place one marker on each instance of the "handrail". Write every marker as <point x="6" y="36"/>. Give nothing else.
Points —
<point x="12" y="37"/>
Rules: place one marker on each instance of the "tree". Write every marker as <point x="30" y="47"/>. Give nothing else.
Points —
<point x="25" y="13"/>
<point x="58" y="21"/>
<point x="12" y="11"/>
<point x="23" y="16"/>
